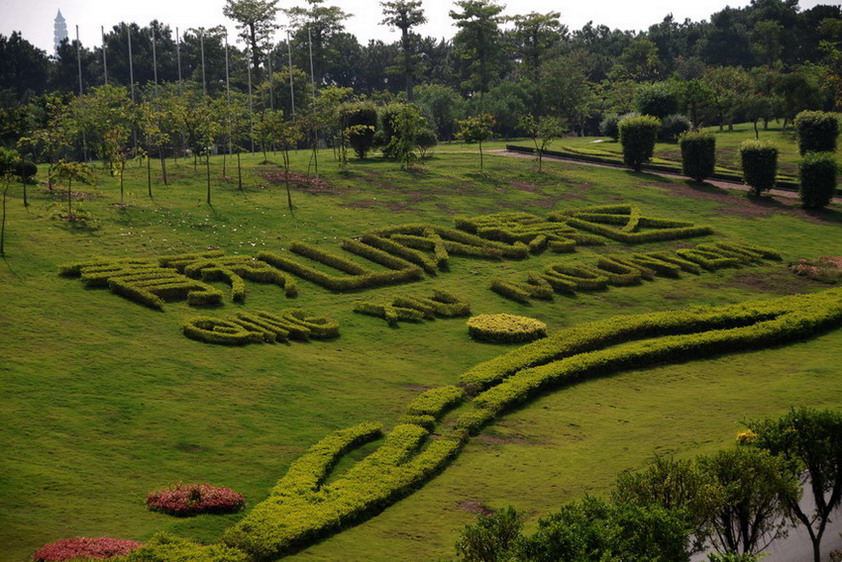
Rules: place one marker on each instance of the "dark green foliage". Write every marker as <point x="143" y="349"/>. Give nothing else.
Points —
<point x="610" y="126"/>
<point x="817" y="131"/>
<point x="817" y="175"/>
<point x="813" y="440"/>
<point x="638" y="136"/>
<point x="492" y="539"/>
<point x="673" y="126"/>
<point x="360" y="122"/>
<point x="593" y="529"/>
<point x="760" y="165"/>
<point x="657" y="100"/>
<point x="698" y="155"/>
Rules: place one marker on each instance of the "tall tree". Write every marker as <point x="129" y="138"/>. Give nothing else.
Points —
<point x="22" y="66"/>
<point x="316" y="25"/>
<point x="535" y="34"/>
<point x="478" y="39"/>
<point x="256" y="23"/>
<point x="405" y="14"/>
<point x="813" y="439"/>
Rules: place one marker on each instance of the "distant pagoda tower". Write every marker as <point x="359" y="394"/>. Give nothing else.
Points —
<point x="59" y="30"/>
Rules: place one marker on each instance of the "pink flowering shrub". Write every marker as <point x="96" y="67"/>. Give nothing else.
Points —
<point x="191" y="499"/>
<point x="85" y="547"/>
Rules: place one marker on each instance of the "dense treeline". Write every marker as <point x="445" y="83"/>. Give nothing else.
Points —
<point x="768" y="60"/>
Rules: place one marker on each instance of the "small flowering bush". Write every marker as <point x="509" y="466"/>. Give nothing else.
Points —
<point x="85" y="547"/>
<point x="505" y="328"/>
<point x="192" y="499"/>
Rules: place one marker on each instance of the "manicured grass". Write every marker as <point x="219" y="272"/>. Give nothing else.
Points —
<point x="105" y="400"/>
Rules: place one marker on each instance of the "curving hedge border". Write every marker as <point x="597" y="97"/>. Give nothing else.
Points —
<point x="409" y="308"/>
<point x="505" y="328"/>
<point x="604" y="219"/>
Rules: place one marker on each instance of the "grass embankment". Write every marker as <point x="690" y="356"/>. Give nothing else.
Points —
<point x="105" y="400"/>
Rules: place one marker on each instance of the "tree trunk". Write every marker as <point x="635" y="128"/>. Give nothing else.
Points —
<point x="286" y="179"/>
<point x="25" y="201"/>
<point x="69" y="204"/>
<point x="480" y="156"/>
<point x="149" y="176"/>
<point x="239" y="173"/>
<point x="164" y="167"/>
<point x="3" y="226"/>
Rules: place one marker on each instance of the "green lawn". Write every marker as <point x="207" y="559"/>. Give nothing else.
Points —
<point x="105" y="400"/>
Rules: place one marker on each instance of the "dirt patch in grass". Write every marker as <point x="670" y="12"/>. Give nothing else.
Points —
<point x="526" y="186"/>
<point x="310" y="184"/>
<point x="779" y="281"/>
<point x="474" y="507"/>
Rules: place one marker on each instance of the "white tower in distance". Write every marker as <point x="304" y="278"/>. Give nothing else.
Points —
<point x="59" y="30"/>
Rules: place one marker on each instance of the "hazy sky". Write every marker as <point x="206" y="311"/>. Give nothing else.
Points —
<point x="34" y="18"/>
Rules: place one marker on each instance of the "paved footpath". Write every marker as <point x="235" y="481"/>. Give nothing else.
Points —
<point x="718" y="183"/>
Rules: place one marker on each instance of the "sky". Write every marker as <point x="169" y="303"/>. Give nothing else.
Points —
<point x="34" y="18"/>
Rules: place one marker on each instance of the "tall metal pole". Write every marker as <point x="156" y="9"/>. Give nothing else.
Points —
<point x="202" y="47"/>
<point x="227" y="82"/>
<point x="131" y="66"/>
<point x="178" y="57"/>
<point x="79" y="58"/>
<point x="104" y="60"/>
<point x="251" y="109"/>
<point x="291" y="89"/>
<point x="313" y="101"/>
<point x="154" y="62"/>
<point x="271" y="95"/>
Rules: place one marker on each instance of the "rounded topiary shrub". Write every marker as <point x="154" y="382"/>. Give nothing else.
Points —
<point x="609" y="127"/>
<point x="638" y="135"/>
<point x="674" y="126"/>
<point x="817" y="131"/>
<point x="698" y="155"/>
<point x="760" y="165"/>
<point x="360" y="120"/>
<point x="85" y="547"/>
<point x="505" y="328"/>
<point x="817" y="175"/>
<point x="191" y="499"/>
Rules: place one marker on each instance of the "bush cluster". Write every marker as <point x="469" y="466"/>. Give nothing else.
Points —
<point x="191" y="499"/>
<point x="84" y="547"/>
<point x="416" y="309"/>
<point x="629" y="269"/>
<point x="539" y="234"/>
<point x="505" y="328"/>
<point x="760" y="165"/>
<point x="165" y="547"/>
<point x="142" y="281"/>
<point x="261" y="326"/>
<point x="357" y="277"/>
<point x="604" y="219"/>
<point x="673" y="126"/>
<point x="302" y="509"/>
<point x="233" y="269"/>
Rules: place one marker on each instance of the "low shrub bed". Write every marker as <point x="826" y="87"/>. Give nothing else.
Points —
<point x="165" y="547"/>
<point x="505" y="328"/>
<point x="416" y="309"/>
<point x="261" y="326"/>
<point x="85" y="547"/>
<point x="183" y="500"/>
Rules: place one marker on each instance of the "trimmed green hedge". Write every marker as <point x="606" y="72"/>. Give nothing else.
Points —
<point x="301" y="509"/>
<point x="416" y="309"/>
<point x="436" y="401"/>
<point x="760" y="165"/>
<point x="817" y="174"/>
<point x="505" y="328"/>
<point x="817" y="131"/>
<point x="261" y="326"/>
<point x="604" y="219"/>
<point x="165" y="547"/>
<point x="638" y="136"/>
<point x="698" y="155"/>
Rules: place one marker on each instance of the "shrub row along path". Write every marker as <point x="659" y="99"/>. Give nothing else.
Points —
<point x="722" y="184"/>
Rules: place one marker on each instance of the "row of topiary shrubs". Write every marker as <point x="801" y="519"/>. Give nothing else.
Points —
<point x="407" y="308"/>
<point x="261" y="327"/>
<point x="629" y="269"/>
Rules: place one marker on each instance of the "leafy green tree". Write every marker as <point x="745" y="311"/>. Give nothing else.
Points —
<point x="287" y="134"/>
<point x="154" y="139"/>
<point x="478" y="39"/>
<point x="265" y="128"/>
<point x="729" y="85"/>
<point x="70" y="172"/>
<point x="639" y="61"/>
<point x="442" y="105"/>
<point x="408" y="125"/>
<point x="535" y="35"/>
<point x="658" y="100"/>
<point x="321" y="24"/>
<point x="812" y="439"/>
<point x="404" y="15"/>
<point x="564" y="90"/>
<point x="492" y="538"/>
<point x="767" y="42"/>
<point x="477" y="129"/>
<point x="256" y="24"/>
<point x="359" y="123"/>
<point x="543" y="130"/>
<point x="757" y="490"/>
<point x="23" y="67"/>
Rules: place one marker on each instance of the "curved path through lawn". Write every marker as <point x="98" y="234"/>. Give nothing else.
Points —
<point x="723" y="184"/>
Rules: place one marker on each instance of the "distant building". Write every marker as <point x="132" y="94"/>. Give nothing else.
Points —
<point x="59" y="30"/>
